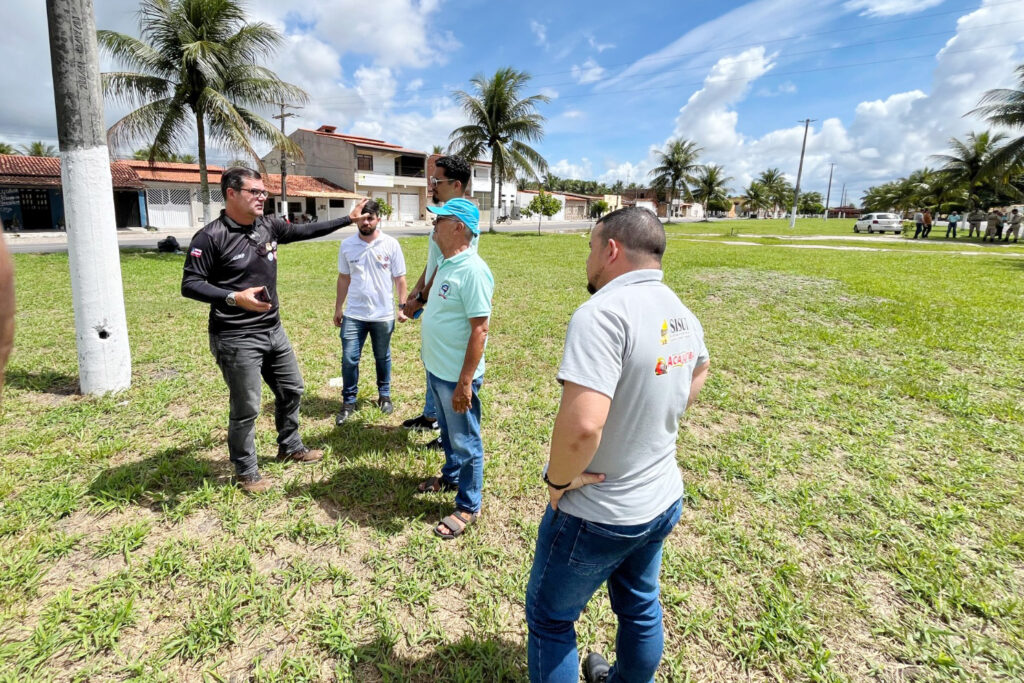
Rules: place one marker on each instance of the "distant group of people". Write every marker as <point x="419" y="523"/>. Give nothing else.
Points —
<point x="634" y="361"/>
<point x="998" y="226"/>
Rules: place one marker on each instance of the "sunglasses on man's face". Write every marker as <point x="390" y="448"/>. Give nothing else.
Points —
<point x="259" y="194"/>
<point x="435" y="181"/>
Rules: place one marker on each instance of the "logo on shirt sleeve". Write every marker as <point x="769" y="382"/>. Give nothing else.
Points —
<point x="676" y="360"/>
<point x="196" y="252"/>
<point x="672" y="329"/>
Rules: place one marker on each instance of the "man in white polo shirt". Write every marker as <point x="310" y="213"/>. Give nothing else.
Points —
<point x="454" y="336"/>
<point x="634" y="360"/>
<point x="370" y="267"/>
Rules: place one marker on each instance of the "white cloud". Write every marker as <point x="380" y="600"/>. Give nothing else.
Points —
<point x="589" y="72"/>
<point x="414" y="85"/>
<point x="889" y="8"/>
<point x="574" y="114"/>
<point x="564" y="169"/>
<point x="784" y="88"/>
<point x="600" y="47"/>
<point x="540" y="31"/>
<point x="550" y="93"/>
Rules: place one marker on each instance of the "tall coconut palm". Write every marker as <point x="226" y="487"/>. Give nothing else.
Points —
<point x="776" y="186"/>
<point x="709" y="185"/>
<point x="1005" y="107"/>
<point x="38" y="148"/>
<point x="755" y="198"/>
<point x="7" y="148"/>
<point x="196" y="69"/>
<point x="970" y="167"/>
<point x="503" y="123"/>
<point x="677" y="164"/>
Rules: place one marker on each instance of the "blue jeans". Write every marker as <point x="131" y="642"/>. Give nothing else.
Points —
<point x="429" y="409"/>
<point x="244" y="360"/>
<point x="573" y="558"/>
<point x="353" y="336"/>
<point x="463" y="447"/>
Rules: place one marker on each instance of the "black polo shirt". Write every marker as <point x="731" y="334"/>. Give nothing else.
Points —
<point x="226" y="257"/>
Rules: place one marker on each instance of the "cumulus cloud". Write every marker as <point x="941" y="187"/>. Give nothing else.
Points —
<point x="540" y="32"/>
<point x="580" y="171"/>
<point x="589" y="72"/>
<point x="890" y="8"/>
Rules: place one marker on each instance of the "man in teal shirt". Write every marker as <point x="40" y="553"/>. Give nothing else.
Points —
<point x="454" y="335"/>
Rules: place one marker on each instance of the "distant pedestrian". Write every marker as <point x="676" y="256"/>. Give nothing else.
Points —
<point x="951" y="220"/>
<point x="918" y="224"/>
<point x="927" y="223"/>
<point x="974" y="219"/>
<point x="1013" y="226"/>
<point x="994" y="226"/>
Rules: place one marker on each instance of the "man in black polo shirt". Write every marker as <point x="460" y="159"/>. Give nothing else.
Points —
<point x="232" y="265"/>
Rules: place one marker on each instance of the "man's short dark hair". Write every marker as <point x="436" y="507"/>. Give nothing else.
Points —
<point x="235" y="177"/>
<point x="455" y="168"/>
<point x="372" y="208"/>
<point x="635" y="228"/>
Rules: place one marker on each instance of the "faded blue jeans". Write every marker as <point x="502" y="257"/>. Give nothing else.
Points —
<point x="463" y="446"/>
<point x="353" y="337"/>
<point x="244" y="359"/>
<point x="573" y="558"/>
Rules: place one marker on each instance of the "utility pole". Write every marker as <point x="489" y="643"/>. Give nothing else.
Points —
<point x="842" y="199"/>
<point x="284" y="159"/>
<point x="97" y="295"/>
<point x="828" y="193"/>
<point x="799" y="172"/>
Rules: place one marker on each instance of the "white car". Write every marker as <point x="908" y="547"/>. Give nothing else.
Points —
<point x="879" y="222"/>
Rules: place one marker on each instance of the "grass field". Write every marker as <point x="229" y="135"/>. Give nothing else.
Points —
<point x="853" y="469"/>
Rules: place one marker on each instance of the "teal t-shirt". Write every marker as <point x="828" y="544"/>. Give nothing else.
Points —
<point x="434" y="253"/>
<point x="462" y="290"/>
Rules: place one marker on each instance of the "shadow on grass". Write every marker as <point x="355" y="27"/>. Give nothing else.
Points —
<point x="45" y="381"/>
<point x="158" y="482"/>
<point x="468" y="659"/>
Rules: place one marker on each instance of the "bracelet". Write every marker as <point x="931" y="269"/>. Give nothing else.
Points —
<point x="555" y="485"/>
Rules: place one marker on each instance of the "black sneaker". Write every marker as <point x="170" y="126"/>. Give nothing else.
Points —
<point x="384" y="403"/>
<point x="436" y="445"/>
<point x="347" y="409"/>
<point x="421" y="423"/>
<point x="595" y="668"/>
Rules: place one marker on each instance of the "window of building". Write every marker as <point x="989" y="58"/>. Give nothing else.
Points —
<point x="337" y="203"/>
<point x="364" y="162"/>
<point x="479" y="172"/>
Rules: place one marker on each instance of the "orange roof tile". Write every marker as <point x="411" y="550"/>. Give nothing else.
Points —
<point x="45" y="172"/>
<point x="365" y="142"/>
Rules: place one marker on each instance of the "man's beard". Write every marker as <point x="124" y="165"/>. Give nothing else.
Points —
<point x="434" y="198"/>
<point x="591" y="288"/>
<point x="367" y="230"/>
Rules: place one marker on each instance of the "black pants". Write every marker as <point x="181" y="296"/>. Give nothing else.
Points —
<point x="244" y="360"/>
<point x="951" y="226"/>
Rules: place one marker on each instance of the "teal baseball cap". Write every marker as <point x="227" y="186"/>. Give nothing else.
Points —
<point x="460" y="208"/>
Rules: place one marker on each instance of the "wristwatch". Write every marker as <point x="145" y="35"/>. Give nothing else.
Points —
<point x="555" y="486"/>
<point x="230" y="299"/>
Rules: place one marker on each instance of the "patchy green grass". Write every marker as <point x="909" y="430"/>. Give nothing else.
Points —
<point x="853" y="472"/>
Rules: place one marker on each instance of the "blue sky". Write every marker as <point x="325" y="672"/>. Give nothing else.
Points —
<point x="888" y="81"/>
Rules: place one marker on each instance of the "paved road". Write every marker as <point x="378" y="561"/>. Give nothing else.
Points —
<point x="135" y="238"/>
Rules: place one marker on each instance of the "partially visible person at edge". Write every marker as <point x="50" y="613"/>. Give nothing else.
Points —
<point x="370" y="267"/>
<point x="231" y="264"/>
<point x="994" y="225"/>
<point x="951" y="220"/>
<point x="919" y="222"/>
<point x="6" y="308"/>
<point x="927" y="223"/>
<point x="454" y="332"/>
<point x="449" y="180"/>
<point x="634" y="361"/>
<point x="1013" y="226"/>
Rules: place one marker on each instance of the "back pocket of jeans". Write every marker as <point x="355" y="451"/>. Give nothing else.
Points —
<point x="599" y="548"/>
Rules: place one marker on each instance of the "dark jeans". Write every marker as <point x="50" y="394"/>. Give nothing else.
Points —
<point x="573" y="558"/>
<point x="244" y="360"/>
<point x="353" y="336"/>
<point x="951" y="227"/>
<point x="460" y="438"/>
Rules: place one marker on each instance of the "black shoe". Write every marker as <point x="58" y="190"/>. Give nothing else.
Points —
<point x="345" y="413"/>
<point x="436" y="445"/>
<point x="595" y="668"/>
<point x="421" y="423"/>
<point x="384" y="403"/>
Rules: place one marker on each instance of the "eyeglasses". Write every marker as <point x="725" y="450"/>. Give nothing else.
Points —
<point x="434" y="181"/>
<point x="259" y="194"/>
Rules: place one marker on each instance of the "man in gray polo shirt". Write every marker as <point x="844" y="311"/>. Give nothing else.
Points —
<point x="634" y="360"/>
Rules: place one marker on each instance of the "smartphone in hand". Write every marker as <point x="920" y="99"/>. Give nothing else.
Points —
<point x="263" y="294"/>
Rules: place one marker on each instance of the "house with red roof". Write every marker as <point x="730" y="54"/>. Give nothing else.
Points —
<point x="371" y="167"/>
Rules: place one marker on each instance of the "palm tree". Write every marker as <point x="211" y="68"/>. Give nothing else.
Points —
<point x="676" y="167"/>
<point x="38" y="149"/>
<point x="7" y="148"/>
<point x="1005" y="107"/>
<point x="196" y="66"/>
<point x="147" y="153"/>
<point x="969" y="166"/>
<point x="756" y="198"/>
<point x="709" y="185"/>
<point x="503" y="123"/>
<point x="438" y="149"/>
<point x="776" y="187"/>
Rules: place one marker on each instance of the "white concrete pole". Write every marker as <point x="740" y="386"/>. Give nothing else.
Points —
<point x="101" y="329"/>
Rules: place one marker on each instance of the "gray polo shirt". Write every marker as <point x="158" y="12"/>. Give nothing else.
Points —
<point x="635" y="342"/>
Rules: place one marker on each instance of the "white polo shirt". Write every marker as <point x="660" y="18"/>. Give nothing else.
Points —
<point x="372" y="267"/>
